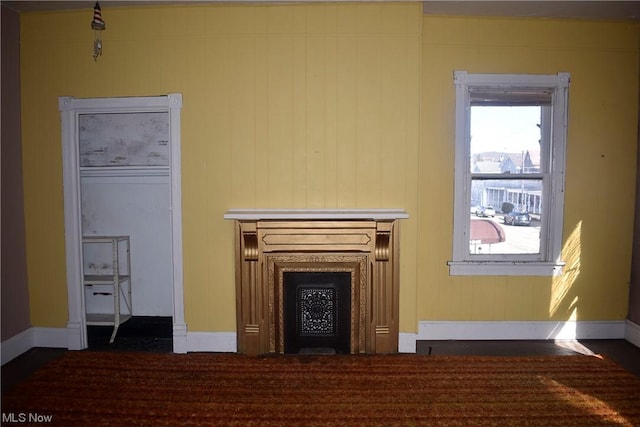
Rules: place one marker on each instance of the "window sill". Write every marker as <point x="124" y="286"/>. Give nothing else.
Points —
<point x="504" y="268"/>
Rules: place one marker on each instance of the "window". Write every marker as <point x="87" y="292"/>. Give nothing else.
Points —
<point x="509" y="173"/>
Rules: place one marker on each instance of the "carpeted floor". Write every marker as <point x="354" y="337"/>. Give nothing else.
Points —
<point x="88" y="388"/>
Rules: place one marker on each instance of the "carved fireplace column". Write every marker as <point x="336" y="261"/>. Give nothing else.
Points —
<point x="270" y="243"/>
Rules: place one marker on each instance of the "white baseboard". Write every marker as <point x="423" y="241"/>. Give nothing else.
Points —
<point x="183" y="341"/>
<point x="225" y="342"/>
<point x="75" y="333"/>
<point x="180" y="338"/>
<point x="407" y="342"/>
<point x="16" y="345"/>
<point x="569" y="330"/>
<point x="50" y="337"/>
<point x="632" y="333"/>
<point x="212" y="341"/>
<point x="30" y="338"/>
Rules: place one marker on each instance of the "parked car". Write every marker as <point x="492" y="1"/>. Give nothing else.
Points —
<point x="486" y="211"/>
<point x="517" y="218"/>
<point x="474" y="209"/>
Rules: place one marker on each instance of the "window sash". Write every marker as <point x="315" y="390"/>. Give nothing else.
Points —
<point x="494" y="89"/>
<point x="492" y="96"/>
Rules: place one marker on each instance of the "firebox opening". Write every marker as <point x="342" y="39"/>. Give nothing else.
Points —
<point x="317" y="312"/>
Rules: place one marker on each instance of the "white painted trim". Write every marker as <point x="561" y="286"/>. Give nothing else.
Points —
<point x="212" y="341"/>
<point x="225" y="342"/>
<point x="16" y="345"/>
<point x="129" y="104"/>
<point x="50" y="337"/>
<point x="70" y="108"/>
<point x="407" y="342"/>
<point x="59" y="338"/>
<point x="561" y="80"/>
<point x="76" y="332"/>
<point x="632" y="333"/>
<point x="175" y="171"/>
<point x="315" y="214"/>
<point x="432" y="330"/>
<point x="161" y="180"/>
<point x="496" y="268"/>
<point x="125" y="175"/>
<point x="124" y="171"/>
<point x="548" y="261"/>
<point x="180" y="343"/>
<point x="30" y="338"/>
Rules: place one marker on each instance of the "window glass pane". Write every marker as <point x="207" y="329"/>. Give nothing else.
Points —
<point x="505" y="139"/>
<point x="505" y="216"/>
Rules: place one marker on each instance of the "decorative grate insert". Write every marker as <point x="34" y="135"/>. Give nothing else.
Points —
<point x="317" y="311"/>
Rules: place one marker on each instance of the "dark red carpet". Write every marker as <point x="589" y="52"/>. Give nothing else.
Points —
<point x="130" y="389"/>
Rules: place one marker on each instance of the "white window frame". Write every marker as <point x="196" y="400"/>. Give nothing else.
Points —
<point x="548" y="262"/>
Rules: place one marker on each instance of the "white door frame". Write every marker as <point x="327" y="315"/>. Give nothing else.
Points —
<point x="70" y="109"/>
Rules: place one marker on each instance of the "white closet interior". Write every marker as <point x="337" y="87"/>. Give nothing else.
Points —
<point x="126" y="190"/>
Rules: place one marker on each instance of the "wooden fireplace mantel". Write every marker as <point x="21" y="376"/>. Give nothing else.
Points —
<point x="364" y="242"/>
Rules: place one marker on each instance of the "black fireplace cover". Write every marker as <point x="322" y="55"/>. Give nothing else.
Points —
<point x="317" y="312"/>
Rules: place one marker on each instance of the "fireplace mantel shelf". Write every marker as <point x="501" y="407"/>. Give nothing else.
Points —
<point x="315" y="214"/>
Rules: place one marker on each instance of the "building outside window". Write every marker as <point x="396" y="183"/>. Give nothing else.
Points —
<point x="509" y="173"/>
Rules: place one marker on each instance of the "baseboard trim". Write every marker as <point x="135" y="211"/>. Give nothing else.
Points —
<point x="224" y="342"/>
<point x="407" y="342"/>
<point x="569" y="330"/>
<point x="33" y="337"/>
<point x="180" y="338"/>
<point x="50" y="337"/>
<point x="75" y="333"/>
<point x="632" y="333"/>
<point x="16" y="345"/>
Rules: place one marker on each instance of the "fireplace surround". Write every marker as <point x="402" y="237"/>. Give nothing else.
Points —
<point x="272" y="243"/>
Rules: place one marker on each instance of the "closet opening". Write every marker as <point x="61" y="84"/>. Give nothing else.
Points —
<point x="123" y="223"/>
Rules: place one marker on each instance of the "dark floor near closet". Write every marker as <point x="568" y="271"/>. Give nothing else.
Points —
<point x="622" y="352"/>
<point x="140" y="333"/>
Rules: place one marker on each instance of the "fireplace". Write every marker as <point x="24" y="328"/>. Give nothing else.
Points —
<point x="317" y="312"/>
<point x="310" y="280"/>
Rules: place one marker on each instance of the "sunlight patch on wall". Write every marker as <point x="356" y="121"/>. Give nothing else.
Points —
<point x="568" y="330"/>
<point x="562" y="284"/>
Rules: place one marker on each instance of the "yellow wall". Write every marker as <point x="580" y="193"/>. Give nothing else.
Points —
<point x="284" y="106"/>
<point x="598" y="223"/>
<point x="338" y="105"/>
